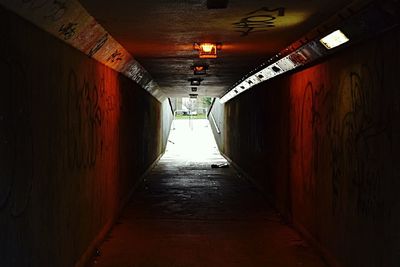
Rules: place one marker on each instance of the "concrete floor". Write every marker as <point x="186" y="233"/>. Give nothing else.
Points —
<point x="187" y="214"/>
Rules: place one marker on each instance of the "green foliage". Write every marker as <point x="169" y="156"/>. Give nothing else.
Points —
<point x="186" y="117"/>
<point x="207" y="101"/>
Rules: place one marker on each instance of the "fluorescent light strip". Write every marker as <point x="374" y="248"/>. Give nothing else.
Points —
<point x="261" y="76"/>
<point x="300" y="57"/>
<point x="334" y="39"/>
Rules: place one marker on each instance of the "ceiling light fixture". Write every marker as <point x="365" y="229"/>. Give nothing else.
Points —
<point x="200" y="69"/>
<point x="334" y="39"/>
<point x="195" y="81"/>
<point x="279" y="67"/>
<point x="207" y="50"/>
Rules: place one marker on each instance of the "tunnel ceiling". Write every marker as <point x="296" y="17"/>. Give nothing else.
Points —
<point x="160" y="35"/>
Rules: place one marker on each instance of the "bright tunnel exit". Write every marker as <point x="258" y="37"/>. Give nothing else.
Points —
<point x="191" y="138"/>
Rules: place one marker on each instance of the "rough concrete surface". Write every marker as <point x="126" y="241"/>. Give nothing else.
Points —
<point x="328" y="136"/>
<point x="345" y="132"/>
<point x="75" y="136"/>
<point x="160" y="35"/>
<point x="188" y="214"/>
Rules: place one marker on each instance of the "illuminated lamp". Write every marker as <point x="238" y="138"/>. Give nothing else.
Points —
<point x="195" y="81"/>
<point x="207" y="50"/>
<point x="200" y="69"/>
<point x="334" y="39"/>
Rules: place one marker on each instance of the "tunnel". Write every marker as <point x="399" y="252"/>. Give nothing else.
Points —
<point x="292" y="164"/>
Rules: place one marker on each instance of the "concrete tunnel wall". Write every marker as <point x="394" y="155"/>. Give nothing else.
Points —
<point x="75" y="138"/>
<point x="324" y="144"/>
<point x="216" y="119"/>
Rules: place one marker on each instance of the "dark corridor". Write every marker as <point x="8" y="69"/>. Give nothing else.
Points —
<point x="186" y="213"/>
<point x="302" y="99"/>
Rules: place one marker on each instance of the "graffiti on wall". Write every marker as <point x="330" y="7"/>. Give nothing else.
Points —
<point x="343" y="130"/>
<point x="309" y="136"/>
<point x="84" y="119"/>
<point x="354" y="137"/>
<point x="98" y="45"/>
<point x="69" y="21"/>
<point x="115" y="56"/>
<point x="68" y="30"/>
<point x="260" y="20"/>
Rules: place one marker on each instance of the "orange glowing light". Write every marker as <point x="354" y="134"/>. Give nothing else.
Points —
<point x="207" y="47"/>
<point x="199" y="68"/>
<point x="207" y="50"/>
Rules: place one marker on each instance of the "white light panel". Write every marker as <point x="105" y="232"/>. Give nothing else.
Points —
<point x="334" y="39"/>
